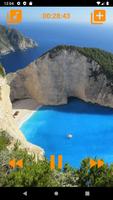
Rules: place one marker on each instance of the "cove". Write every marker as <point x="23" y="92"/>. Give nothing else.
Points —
<point x="91" y="126"/>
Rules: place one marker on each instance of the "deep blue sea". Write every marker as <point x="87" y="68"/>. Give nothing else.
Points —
<point x="49" y="35"/>
<point x="91" y="127"/>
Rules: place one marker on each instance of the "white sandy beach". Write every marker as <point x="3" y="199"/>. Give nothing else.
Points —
<point x="25" y="108"/>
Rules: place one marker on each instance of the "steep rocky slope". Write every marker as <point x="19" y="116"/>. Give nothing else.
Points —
<point x="12" y="40"/>
<point x="63" y="72"/>
<point x="8" y="124"/>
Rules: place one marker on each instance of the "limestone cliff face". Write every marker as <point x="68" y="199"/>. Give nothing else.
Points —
<point x="8" y="124"/>
<point x="18" y="91"/>
<point x="57" y="75"/>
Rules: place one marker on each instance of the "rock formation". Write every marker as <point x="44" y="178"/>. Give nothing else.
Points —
<point x="59" y="74"/>
<point x="12" y="40"/>
<point x="7" y="122"/>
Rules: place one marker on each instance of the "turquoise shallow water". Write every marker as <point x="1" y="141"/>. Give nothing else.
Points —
<point x="91" y="126"/>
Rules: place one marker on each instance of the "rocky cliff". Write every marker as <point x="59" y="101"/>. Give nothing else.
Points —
<point x="8" y="124"/>
<point x="64" y="72"/>
<point x="12" y="40"/>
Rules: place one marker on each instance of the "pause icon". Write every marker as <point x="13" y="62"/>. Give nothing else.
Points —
<point x="52" y="162"/>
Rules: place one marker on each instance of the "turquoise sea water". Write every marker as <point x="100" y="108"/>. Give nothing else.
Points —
<point x="91" y="126"/>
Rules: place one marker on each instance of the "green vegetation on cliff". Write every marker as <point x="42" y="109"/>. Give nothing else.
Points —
<point x="2" y="71"/>
<point x="103" y="58"/>
<point x="4" y="141"/>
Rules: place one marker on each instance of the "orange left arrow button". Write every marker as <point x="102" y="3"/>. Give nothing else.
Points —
<point x="12" y="163"/>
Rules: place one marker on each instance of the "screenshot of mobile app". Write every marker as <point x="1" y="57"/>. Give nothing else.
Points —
<point x="56" y="97"/>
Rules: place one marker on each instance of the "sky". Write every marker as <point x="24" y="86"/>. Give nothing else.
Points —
<point x="78" y="14"/>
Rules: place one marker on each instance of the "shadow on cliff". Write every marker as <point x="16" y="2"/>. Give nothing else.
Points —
<point x="78" y="106"/>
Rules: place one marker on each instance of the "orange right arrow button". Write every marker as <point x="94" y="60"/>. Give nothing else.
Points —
<point x="100" y="163"/>
<point x="92" y="163"/>
<point x="19" y="163"/>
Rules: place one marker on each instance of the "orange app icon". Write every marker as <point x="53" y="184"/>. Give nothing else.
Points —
<point x="14" y="17"/>
<point x="98" y="17"/>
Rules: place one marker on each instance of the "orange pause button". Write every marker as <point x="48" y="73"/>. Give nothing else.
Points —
<point x="52" y="162"/>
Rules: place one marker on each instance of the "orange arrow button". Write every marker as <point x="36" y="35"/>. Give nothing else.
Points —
<point x="92" y="163"/>
<point x="100" y="163"/>
<point x="12" y="163"/>
<point x="19" y="163"/>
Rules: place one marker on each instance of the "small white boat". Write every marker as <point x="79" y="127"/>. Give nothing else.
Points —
<point x="69" y="136"/>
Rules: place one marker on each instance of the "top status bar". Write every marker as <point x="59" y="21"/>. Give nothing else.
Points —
<point x="59" y="3"/>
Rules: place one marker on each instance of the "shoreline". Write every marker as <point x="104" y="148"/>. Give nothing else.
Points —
<point x="24" y="108"/>
<point x="28" y="116"/>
